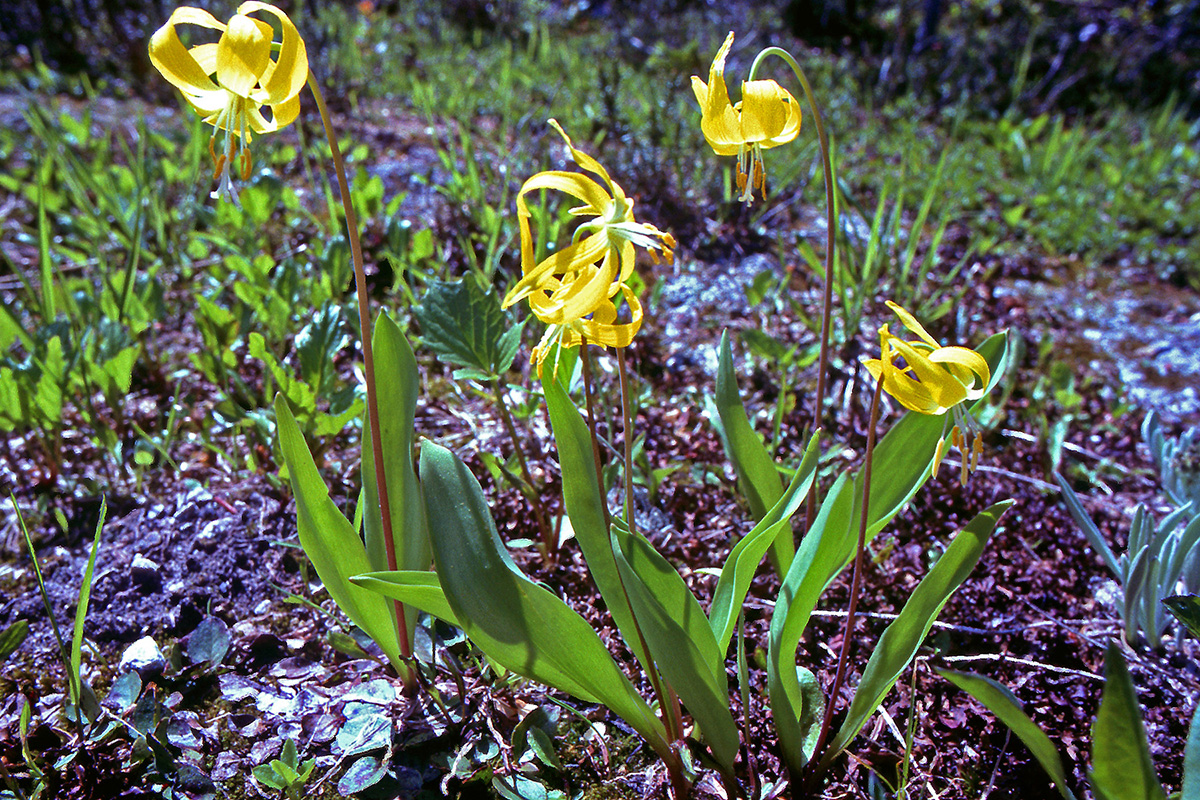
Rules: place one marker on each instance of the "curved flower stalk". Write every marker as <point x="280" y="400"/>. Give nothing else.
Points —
<point x="230" y="82"/>
<point x="573" y="290"/>
<point x="766" y="116"/>
<point x="934" y="380"/>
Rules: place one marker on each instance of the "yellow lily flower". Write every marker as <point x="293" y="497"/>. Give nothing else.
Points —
<point x="934" y="380"/>
<point x="766" y="116"/>
<point x="573" y="290"/>
<point x="247" y="79"/>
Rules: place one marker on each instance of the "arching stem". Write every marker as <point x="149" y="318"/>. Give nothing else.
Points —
<point x="810" y="508"/>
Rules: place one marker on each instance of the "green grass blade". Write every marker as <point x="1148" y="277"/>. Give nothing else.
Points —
<point x="902" y="638"/>
<point x="85" y="596"/>
<point x="1121" y="765"/>
<point x="1001" y="702"/>
<point x="517" y="623"/>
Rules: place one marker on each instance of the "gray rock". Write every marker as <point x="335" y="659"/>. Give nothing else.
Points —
<point x="143" y="657"/>
<point x="145" y="573"/>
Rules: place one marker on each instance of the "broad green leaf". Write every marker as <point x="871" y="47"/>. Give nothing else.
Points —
<point x="756" y="471"/>
<point x="905" y="457"/>
<point x="330" y="541"/>
<point x="746" y="555"/>
<point x="209" y="642"/>
<point x="517" y="623"/>
<point x="420" y="589"/>
<point x="1001" y="702"/>
<point x="680" y="640"/>
<point x="586" y="510"/>
<point x="821" y="555"/>
<point x="902" y="638"/>
<point x="812" y="714"/>
<point x="467" y="328"/>
<point x="1121" y="765"/>
<point x="397" y="386"/>
<point x="1191" y="761"/>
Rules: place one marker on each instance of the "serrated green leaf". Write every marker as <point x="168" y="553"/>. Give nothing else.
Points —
<point x="467" y="328"/>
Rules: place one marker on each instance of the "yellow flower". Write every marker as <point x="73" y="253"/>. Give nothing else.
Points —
<point x="766" y="116"/>
<point x="934" y="380"/>
<point x="247" y="79"/>
<point x="573" y="290"/>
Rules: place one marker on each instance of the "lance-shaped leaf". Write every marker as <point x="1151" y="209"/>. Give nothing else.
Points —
<point x="517" y="623"/>
<point x="420" y="589"/>
<point x="902" y="463"/>
<point x="466" y="327"/>
<point x="585" y="508"/>
<point x="330" y="541"/>
<point x="746" y="555"/>
<point x="397" y="386"/>
<point x="757" y="476"/>
<point x="680" y="640"/>
<point x="902" y="638"/>
<point x="1121" y="765"/>
<point x="1001" y="702"/>
<point x="1191" y="761"/>
<point x="822" y="553"/>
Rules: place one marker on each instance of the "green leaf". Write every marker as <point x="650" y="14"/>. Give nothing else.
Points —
<point x="417" y="588"/>
<point x="209" y="642"/>
<point x="586" y="510"/>
<point x="902" y="638"/>
<point x="1084" y="521"/>
<point x="1001" y="702"/>
<point x="756" y="471"/>
<point x="905" y="456"/>
<point x="266" y="775"/>
<point x="397" y="386"/>
<point x="746" y="555"/>
<point x="1191" y="761"/>
<point x="680" y="640"/>
<point x="1121" y="765"/>
<point x="822" y="553"/>
<point x="12" y="637"/>
<point x="466" y="327"/>
<point x="330" y="541"/>
<point x="516" y="622"/>
<point x="1186" y="609"/>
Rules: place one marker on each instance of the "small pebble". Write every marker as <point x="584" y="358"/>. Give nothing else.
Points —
<point x="143" y="657"/>
<point x="145" y="573"/>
